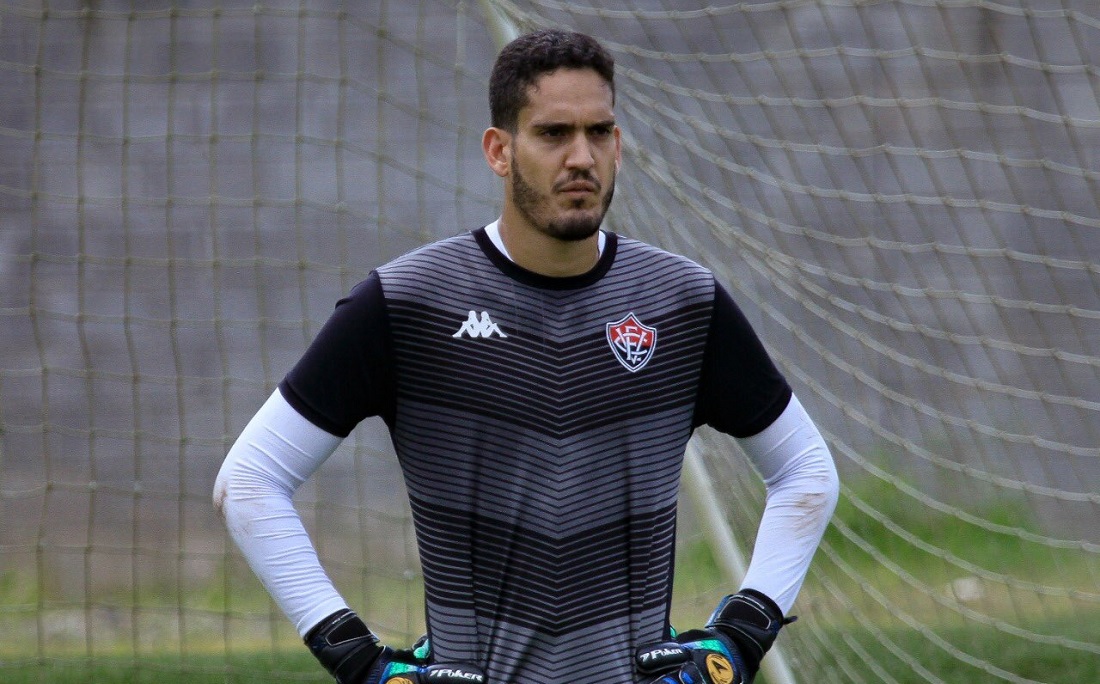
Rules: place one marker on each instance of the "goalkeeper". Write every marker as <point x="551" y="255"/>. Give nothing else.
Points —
<point x="540" y="377"/>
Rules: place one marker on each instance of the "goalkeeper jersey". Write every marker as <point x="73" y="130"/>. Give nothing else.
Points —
<point x="540" y="424"/>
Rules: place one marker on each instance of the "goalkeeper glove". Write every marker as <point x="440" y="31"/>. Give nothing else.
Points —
<point x="727" y="651"/>
<point x="351" y="653"/>
<point x="348" y="649"/>
<point x="397" y="672"/>
<point x="698" y="656"/>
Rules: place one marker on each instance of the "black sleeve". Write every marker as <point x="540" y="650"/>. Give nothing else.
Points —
<point x="346" y="373"/>
<point x="741" y="391"/>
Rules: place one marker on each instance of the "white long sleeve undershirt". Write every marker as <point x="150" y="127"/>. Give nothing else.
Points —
<point x="801" y="493"/>
<point x="275" y="453"/>
<point x="279" y="450"/>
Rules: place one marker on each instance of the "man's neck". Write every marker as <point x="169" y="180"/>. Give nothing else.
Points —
<point x="545" y="255"/>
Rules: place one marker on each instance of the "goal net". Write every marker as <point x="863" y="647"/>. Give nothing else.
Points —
<point x="901" y="194"/>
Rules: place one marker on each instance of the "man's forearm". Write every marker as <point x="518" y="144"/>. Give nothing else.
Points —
<point x="275" y="453"/>
<point x="802" y="489"/>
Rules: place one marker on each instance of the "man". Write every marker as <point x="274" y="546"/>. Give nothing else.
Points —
<point x="540" y="379"/>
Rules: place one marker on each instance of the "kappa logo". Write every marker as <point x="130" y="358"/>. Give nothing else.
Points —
<point x="479" y="327"/>
<point x="632" y="342"/>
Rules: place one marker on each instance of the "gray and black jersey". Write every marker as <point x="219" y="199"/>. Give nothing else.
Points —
<point x="540" y="424"/>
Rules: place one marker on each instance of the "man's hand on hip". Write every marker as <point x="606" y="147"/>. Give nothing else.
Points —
<point x="353" y="655"/>
<point x="727" y="651"/>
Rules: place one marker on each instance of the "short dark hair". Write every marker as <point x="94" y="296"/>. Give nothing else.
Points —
<point x="535" y="54"/>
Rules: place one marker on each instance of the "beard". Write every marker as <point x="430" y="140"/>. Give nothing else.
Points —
<point x="574" y="226"/>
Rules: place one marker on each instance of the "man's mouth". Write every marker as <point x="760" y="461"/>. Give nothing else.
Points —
<point x="578" y="187"/>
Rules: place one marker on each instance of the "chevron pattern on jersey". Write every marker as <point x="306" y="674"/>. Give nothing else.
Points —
<point x="538" y="464"/>
<point x="545" y="584"/>
<point x="557" y="491"/>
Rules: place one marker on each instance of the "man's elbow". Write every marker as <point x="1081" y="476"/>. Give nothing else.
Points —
<point x="818" y="499"/>
<point x="221" y="492"/>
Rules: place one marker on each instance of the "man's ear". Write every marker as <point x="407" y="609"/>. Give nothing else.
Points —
<point x="496" y="143"/>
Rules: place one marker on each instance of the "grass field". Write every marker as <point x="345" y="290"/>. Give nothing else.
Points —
<point x="916" y="595"/>
<point x="853" y="638"/>
<point x="262" y="668"/>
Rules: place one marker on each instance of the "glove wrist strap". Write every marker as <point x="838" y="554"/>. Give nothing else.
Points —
<point x="344" y="646"/>
<point x="752" y="621"/>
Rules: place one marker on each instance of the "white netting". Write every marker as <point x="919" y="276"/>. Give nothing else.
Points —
<point x="901" y="194"/>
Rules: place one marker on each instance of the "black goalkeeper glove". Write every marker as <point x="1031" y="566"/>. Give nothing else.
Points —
<point x="727" y="651"/>
<point x="348" y="649"/>
<point x="351" y="653"/>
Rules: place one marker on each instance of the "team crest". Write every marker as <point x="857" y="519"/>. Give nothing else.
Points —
<point x="632" y="342"/>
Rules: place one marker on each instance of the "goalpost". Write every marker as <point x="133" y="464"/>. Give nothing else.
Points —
<point x="901" y="194"/>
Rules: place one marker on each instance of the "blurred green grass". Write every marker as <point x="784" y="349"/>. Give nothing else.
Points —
<point x="878" y="608"/>
<point x="1042" y="665"/>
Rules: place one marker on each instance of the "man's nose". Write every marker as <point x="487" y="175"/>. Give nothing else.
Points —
<point x="580" y="153"/>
